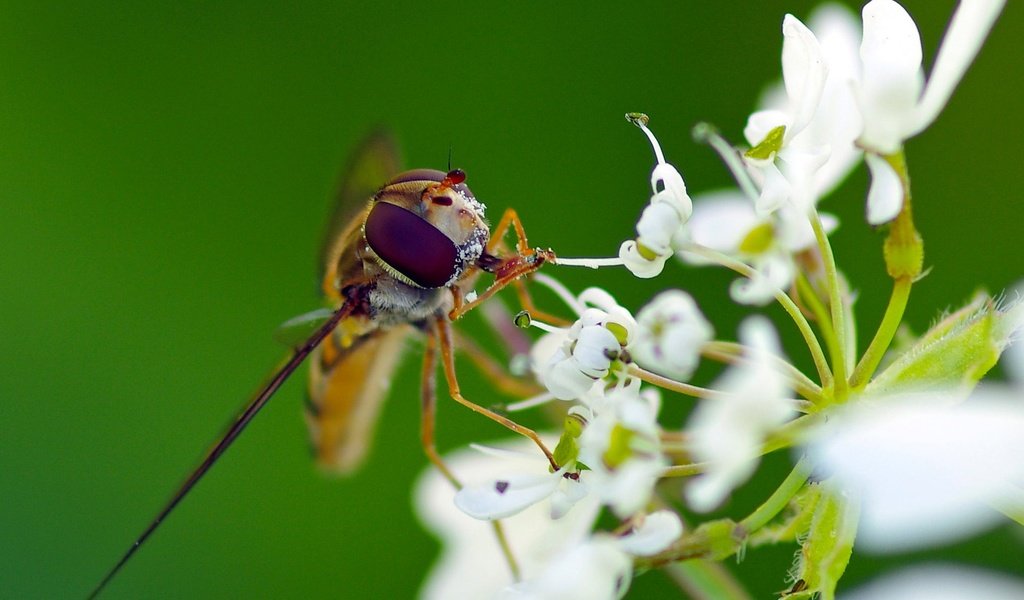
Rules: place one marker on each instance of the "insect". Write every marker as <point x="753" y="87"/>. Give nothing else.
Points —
<point x="405" y="261"/>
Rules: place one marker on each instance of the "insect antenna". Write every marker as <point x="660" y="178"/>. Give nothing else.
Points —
<point x="251" y="408"/>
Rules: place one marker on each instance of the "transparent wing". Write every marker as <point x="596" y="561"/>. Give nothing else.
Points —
<point x="373" y="162"/>
<point x="296" y="330"/>
<point x="347" y="387"/>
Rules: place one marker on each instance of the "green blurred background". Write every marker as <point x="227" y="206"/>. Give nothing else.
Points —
<point x="165" y="171"/>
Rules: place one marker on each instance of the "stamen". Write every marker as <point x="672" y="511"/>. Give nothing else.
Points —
<point x="545" y="327"/>
<point x="591" y="263"/>
<point x="537" y="400"/>
<point x="707" y="133"/>
<point x="641" y="120"/>
<point x="560" y="290"/>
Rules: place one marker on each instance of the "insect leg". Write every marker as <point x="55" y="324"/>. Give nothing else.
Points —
<point x="429" y="394"/>
<point x="493" y="370"/>
<point x="444" y="337"/>
<point x="510" y="218"/>
<point x="526" y="302"/>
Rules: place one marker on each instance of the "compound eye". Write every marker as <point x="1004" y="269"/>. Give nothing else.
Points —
<point x="411" y="245"/>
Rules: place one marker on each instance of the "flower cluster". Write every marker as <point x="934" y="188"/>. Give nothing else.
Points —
<point x="895" y="445"/>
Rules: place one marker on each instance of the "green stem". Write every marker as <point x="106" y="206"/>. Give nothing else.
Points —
<point x="810" y="296"/>
<point x="706" y="580"/>
<point x="779" y="499"/>
<point x="669" y="384"/>
<point x="835" y="300"/>
<point x="886" y="331"/>
<point x="731" y="352"/>
<point x="782" y="297"/>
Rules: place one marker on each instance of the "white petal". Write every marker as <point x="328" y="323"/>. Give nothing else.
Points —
<point x="772" y="272"/>
<point x="628" y="489"/>
<point x="924" y="471"/>
<point x="794" y="229"/>
<point x="775" y="191"/>
<point x="668" y="186"/>
<point x="658" y="531"/>
<point x="543" y="351"/>
<point x="967" y="31"/>
<point x="760" y="124"/>
<point x="565" y="380"/>
<point x="593" y="570"/>
<point x="637" y="264"/>
<point x="885" y="197"/>
<point x="838" y="122"/>
<point x="940" y="582"/>
<point x="728" y="429"/>
<point x="803" y="72"/>
<point x="594" y="350"/>
<point x="500" y="498"/>
<point x="720" y="221"/>
<point x="657" y="226"/>
<point x="892" y="79"/>
<point x="671" y="332"/>
<point x="466" y="567"/>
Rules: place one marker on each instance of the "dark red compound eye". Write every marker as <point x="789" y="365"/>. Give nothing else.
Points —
<point x="411" y="245"/>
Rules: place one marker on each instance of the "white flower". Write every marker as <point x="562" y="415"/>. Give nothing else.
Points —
<point x="892" y="103"/>
<point x="600" y="567"/>
<point x="891" y="99"/>
<point x="622" y="449"/>
<point x="667" y="211"/>
<point x="671" y="332"/>
<point x="815" y="107"/>
<point x="569" y="361"/>
<point x="727" y="222"/>
<point x="940" y="582"/>
<point x="803" y="72"/>
<point x="596" y="569"/>
<point x="524" y="480"/>
<point x="727" y="430"/>
<point x="925" y="468"/>
<point x="470" y="562"/>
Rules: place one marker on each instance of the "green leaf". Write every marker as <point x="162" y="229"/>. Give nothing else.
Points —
<point x="826" y="551"/>
<point x="955" y="353"/>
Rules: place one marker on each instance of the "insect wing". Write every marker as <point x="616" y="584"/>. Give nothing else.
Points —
<point x="294" y="331"/>
<point x="347" y="387"/>
<point x="374" y="161"/>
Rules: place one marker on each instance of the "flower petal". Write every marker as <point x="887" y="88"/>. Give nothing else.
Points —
<point x="803" y="72"/>
<point x="925" y="472"/>
<point x="940" y="582"/>
<point x="658" y="530"/>
<point x="892" y="79"/>
<point x="638" y="265"/>
<point x="885" y="198"/>
<point x="967" y="31"/>
<point x="497" y="499"/>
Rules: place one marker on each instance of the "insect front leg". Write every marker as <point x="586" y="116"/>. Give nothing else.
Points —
<point x="443" y="329"/>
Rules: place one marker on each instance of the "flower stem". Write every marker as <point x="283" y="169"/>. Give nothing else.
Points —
<point x="731" y="352"/>
<point x="886" y="331"/>
<point x="810" y="296"/>
<point x="688" y="470"/>
<point x="782" y="297"/>
<point x="669" y="384"/>
<point x="779" y="499"/>
<point x="835" y="300"/>
<point x="706" y="580"/>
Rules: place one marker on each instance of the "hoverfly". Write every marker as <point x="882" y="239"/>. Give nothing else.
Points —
<point x="406" y="260"/>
